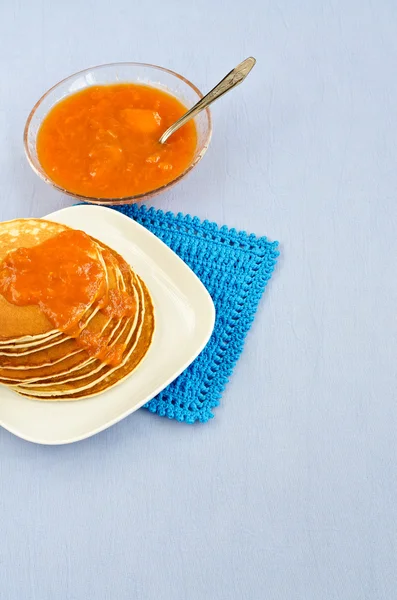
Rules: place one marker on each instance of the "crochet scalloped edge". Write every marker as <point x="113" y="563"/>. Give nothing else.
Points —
<point x="203" y="228"/>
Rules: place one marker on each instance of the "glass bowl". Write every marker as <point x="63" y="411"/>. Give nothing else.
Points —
<point x="159" y="77"/>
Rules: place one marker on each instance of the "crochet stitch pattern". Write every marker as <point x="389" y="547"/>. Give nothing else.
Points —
<point x="235" y="268"/>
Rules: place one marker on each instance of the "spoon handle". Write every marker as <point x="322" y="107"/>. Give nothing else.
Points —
<point x="232" y="79"/>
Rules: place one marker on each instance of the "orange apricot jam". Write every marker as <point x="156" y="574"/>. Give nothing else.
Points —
<point x="102" y="142"/>
<point x="120" y="304"/>
<point x="99" y="346"/>
<point x="62" y="276"/>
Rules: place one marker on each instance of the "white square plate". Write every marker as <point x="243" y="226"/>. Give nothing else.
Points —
<point x="184" y="314"/>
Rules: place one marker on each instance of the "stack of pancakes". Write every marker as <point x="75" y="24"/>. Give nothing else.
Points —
<point x="43" y="362"/>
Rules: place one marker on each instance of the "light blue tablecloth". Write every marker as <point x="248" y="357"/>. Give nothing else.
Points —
<point x="297" y="502"/>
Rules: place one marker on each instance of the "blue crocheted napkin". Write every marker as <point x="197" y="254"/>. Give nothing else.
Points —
<point x="235" y="268"/>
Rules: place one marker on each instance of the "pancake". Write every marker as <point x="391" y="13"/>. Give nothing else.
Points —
<point x="66" y="355"/>
<point x="15" y="321"/>
<point x="27" y="341"/>
<point x="128" y="336"/>
<point x="24" y="357"/>
<point x="119" y="336"/>
<point x="111" y="329"/>
<point x="110" y="376"/>
<point x="38" y="343"/>
<point x="66" y="366"/>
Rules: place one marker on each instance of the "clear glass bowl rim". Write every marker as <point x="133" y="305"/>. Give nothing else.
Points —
<point x="124" y="199"/>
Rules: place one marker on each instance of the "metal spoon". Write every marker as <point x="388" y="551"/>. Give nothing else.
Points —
<point x="235" y="77"/>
